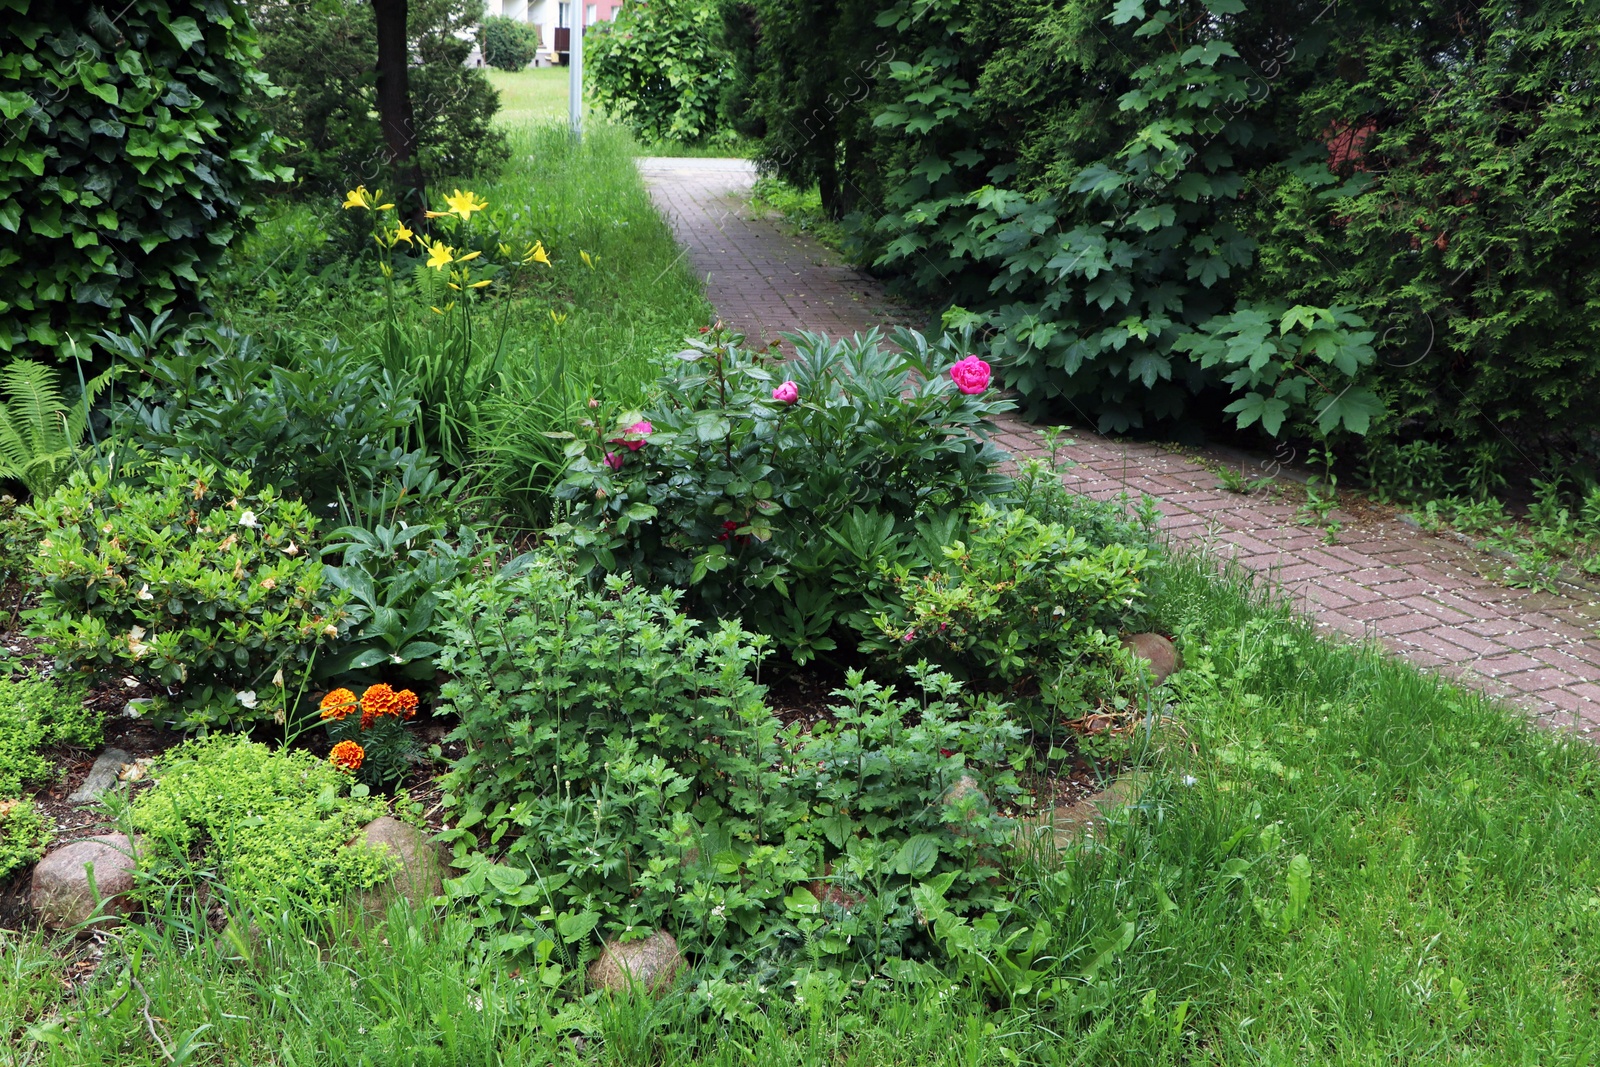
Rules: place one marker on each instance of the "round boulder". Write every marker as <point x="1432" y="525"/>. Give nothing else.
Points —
<point x="1157" y="651"/>
<point x="651" y="964"/>
<point x="84" y="879"/>
<point x="420" y="875"/>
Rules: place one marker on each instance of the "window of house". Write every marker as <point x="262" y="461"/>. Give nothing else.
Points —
<point x="563" y="15"/>
<point x="590" y="14"/>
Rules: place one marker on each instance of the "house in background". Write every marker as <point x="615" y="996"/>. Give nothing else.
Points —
<point x="554" y="18"/>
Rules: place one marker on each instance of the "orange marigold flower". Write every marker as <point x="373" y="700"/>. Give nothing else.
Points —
<point x="408" y="703"/>
<point x="347" y="756"/>
<point x="338" y="704"/>
<point x="378" y="700"/>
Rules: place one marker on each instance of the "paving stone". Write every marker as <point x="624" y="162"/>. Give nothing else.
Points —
<point x="765" y="282"/>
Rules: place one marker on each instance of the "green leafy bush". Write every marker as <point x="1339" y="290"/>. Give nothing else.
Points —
<point x="271" y="823"/>
<point x="324" y="58"/>
<point x="23" y="835"/>
<point x="37" y="713"/>
<point x="315" y="421"/>
<point x="726" y="489"/>
<point x="1017" y="601"/>
<point x="197" y="583"/>
<point x="507" y="43"/>
<point x="1150" y="205"/>
<point x="661" y="67"/>
<point x="625" y="773"/>
<point x="131" y="149"/>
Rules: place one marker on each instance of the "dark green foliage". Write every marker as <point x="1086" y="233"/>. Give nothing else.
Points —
<point x="313" y="421"/>
<point x="508" y="43"/>
<point x="324" y="57"/>
<point x="662" y="67"/>
<point x="728" y="492"/>
<point x="1320" y="219"/>
<point x="629" y="775"/>
<point x="128" y="152"/>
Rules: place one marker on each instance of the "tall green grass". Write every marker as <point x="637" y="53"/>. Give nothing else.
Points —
<point x="1452" y="913"/>
<point x="592" y="329"/>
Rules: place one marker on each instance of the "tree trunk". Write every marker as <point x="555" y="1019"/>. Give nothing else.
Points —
<point x="394" y="108"/>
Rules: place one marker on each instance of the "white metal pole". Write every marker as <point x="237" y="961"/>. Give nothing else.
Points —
<point x="575" y="66"/>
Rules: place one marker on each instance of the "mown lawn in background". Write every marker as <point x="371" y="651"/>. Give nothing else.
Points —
<point x="1338" y="860"/>
<point x="530" y="97"/>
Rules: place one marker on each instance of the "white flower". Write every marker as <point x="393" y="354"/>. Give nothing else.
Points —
<point x="136" y="643"/>
<point x="1190" y="779"/>
<point x="291" y="550"/>
<point x="277" y="679"/>
<point x="248" y="519"/>
<point x="247" y="698"/>
<point x="144" y="592"/>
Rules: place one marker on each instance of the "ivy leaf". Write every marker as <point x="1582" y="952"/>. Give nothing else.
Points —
<point x="186" y="31"/>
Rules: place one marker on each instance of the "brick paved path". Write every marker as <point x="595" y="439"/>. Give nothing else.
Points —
<point x="1423" y="597"/>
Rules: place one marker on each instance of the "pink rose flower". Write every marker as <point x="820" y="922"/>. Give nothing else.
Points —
<point x="971" y="375"/>
<point x="787" y="393"/>
<point x="635" y="436"/>
<point x="613" y="461"/>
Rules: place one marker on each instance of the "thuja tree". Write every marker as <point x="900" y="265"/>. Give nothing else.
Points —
<point x="128" y="154"/>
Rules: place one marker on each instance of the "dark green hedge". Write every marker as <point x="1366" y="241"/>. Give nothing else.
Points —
<point x="127" y="156"/>
<point x="324" y="58"/>
<point x="507" y="43"/>
<point x="1381" y="202"/>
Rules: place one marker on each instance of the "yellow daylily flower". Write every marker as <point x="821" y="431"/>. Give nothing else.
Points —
<point x="448" y="307"/>
<point x="440" y="255"/>
<point x="358" y="197"/>
<point x="464" y="204"/>
<point x="480" y="285"/>
<point x="557" y="319"/>
<point x="436" y="214"/>
<point x="588" y="260"/>
<point x="469" y="257"/>
<point x="404" y="233"/>
<point x="536" y="254"/>
<point x="505" y="249"/>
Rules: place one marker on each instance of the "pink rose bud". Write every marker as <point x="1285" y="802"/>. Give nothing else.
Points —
<point x="613" y="461"/>
<point x="971" y="375"/>
<point x="787" y="393"/>
<point x="635" y="436"/>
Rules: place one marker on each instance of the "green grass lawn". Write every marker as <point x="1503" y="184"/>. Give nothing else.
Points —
<point x="532" y="96"/>
<point x="1338" y="860"/>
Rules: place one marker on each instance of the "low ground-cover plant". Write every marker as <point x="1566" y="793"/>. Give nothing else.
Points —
<point x="623" y="772"/>
<point x="723" y="485"/>
<point x="270" y="824"/>
<point x="35" y="714"/>
<point x="196" y="581"/>
<point x="24" y="833"/>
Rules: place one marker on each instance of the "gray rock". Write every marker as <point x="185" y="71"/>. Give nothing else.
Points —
<point x="960" y="789"/>
<point x="62" y="892"/>
<point x="420" y="876"/>
<point x="102" y="776"/>
<point x="1161" y="654"/>
<point x="651" y="964"/>
<point x="1066" y="824"/>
